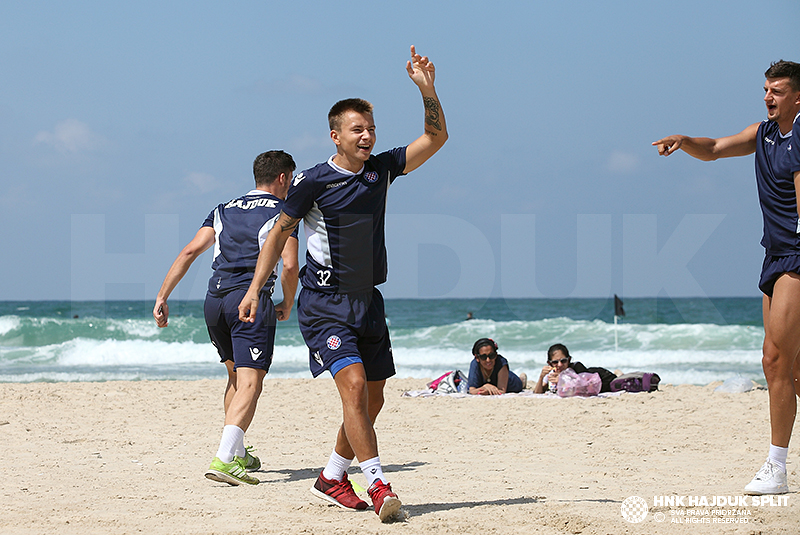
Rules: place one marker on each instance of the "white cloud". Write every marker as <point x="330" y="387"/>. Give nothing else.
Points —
<point x="310" y="142"/>
<point x="71" y="137"/>
<point x="622" y="162"/>
<point x="300" y="84"/>
<point x="202" y="182"/>
<point x="292" y="84"/>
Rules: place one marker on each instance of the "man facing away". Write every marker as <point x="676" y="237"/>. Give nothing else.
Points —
<point x="777" y="178"/>
<point x="342" y="203"/>
<point x="237" y="230"/>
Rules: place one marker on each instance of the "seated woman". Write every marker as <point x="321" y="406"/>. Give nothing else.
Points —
<point x="558" y="360"/>
<point x="489" y="374"/>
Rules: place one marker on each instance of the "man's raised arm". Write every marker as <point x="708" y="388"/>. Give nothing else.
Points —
<point x="267" y="260"/>
<point x="422" y="72"/>
<point x="707" y="149"/>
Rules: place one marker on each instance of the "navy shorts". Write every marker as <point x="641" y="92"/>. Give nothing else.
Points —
<point x="340" y="325"/>
<point x="249" y="345"/>
<point x="774" y="267"/>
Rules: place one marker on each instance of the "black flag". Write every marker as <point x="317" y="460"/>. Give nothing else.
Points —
<point x="618" y="310"/>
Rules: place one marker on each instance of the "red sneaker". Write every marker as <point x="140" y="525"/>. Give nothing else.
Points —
<point x="385" y="501"/>
<point x="339" y="493"/>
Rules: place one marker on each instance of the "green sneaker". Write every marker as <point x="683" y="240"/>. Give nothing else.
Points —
<point x="232" y="473"/>
<point x="251" y="462"/>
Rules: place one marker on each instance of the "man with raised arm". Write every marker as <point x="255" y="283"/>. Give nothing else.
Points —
<point x="237" y="229"/>
<point x="776" y="143"/>
<point x="342" y="203"/>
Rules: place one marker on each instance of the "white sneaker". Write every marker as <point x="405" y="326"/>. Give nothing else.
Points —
<point x="770" y="479"/>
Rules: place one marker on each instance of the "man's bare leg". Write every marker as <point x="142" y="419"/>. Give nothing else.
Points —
<point x="356" y="436"/>
<point x="361" y="402"/>
<point x="240" y="412"/>
<point x="781" y="350"/>
<point x="375" y="401"/>
<point x="230" y="388"/>
<point x="780" y="356"/>
<point x="231" y="461"/>
<point x="333" y="484"/>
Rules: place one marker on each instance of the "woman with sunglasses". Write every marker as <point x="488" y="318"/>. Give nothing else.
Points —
<point x="489" y="374"/>
<point x="558" y="360"/>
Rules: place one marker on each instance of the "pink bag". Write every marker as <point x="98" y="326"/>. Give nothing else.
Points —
<point x="578" y="384"/>
<point x="449" y="383"/>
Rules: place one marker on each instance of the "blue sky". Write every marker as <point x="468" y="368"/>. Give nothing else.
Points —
<point x="122" y="126"/>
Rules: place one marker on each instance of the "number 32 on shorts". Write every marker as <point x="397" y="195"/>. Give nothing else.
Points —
<point x="324" y="275"/>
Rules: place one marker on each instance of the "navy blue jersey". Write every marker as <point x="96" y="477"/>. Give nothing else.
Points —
<point x="775" y="166"/>
<point x="344" y="215"/>
<point x="240" y="228"/>
<point x="475" y="377"/>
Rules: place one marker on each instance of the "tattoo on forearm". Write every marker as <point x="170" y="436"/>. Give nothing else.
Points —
<point x="287" y="223"/>
<point x="432" y="113"/>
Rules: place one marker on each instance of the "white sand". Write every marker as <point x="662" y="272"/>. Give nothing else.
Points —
<point x="129" y="457"/>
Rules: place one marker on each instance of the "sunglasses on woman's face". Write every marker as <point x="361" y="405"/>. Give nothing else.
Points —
<point x="554" y="362"/>
<point x="490" y="356"/>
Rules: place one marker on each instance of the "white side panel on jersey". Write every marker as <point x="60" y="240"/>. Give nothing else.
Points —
<point x="317" y="241"/>
<point x="217" y="232"/>
<point x="262" y="236"/>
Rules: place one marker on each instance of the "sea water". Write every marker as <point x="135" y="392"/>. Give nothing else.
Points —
<point x="685" y="341"/>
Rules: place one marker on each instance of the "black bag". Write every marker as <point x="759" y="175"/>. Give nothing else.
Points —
<point x="606" y="376"/>
<point x="636" y="382"/>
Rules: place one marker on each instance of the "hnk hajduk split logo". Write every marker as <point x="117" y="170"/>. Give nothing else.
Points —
<point x="634" y="509"/>
<point x="699" y="509"/>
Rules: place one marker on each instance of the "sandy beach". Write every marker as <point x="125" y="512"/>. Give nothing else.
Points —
<point x="129" y="457"/>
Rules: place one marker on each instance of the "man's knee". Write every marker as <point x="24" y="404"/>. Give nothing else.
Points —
<point x="352" y="384"/>
<point x="249" y="379"/>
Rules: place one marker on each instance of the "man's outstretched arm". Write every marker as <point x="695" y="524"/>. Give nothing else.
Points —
<point x="267" y="260"/>
<point x="707" y="149"/>
<point x="422" y="72"/>
<point x="199" y="244"/>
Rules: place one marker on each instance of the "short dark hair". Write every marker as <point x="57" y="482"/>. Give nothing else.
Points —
<point x="785" y="69"/>
<point x="358" y="105"/>
<point x="557" y="347"/>
<point x="269" y="165"/>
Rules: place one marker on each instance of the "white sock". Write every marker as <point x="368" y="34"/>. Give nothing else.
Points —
<point x="231" y="436"/>
<point x="778" y="456"/>
<point x="337" y="467"/>
<point x="372" y="470"/>
<point x="240" y="450"/>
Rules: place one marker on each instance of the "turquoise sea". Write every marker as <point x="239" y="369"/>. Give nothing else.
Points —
<point x="685" y="341"/>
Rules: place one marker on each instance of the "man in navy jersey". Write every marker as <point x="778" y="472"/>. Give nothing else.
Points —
<point x="237" y="229"/>
<point x="342" y="203"/>
<point x="775" y="143"/>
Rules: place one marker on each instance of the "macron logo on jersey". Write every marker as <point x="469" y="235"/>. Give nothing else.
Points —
<point x="299" y="178"/>
<point x="255" y="353"/>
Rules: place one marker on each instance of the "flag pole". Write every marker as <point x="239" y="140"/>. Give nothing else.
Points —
<point x="618" y="312"/>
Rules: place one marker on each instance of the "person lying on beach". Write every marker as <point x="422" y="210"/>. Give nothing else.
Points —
<point x="558" y="360"/>
<point x="489" y="374"/>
